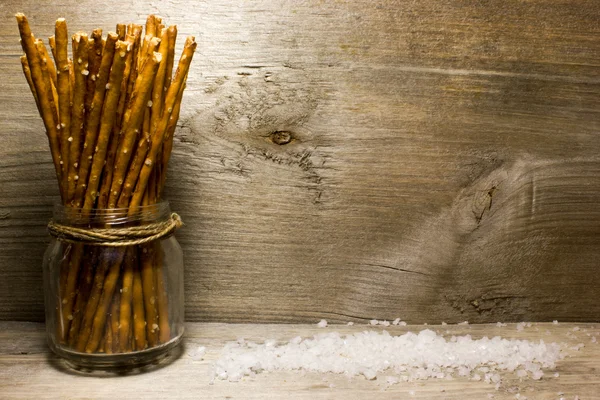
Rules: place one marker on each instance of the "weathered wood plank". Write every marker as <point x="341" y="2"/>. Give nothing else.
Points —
<point x="443" y="162"/>
<point x="27" y="370"/>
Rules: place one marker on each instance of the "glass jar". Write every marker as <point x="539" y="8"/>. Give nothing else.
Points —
<point x="110" y="304"/>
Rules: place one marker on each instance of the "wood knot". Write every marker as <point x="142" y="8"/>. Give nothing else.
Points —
<point x="281" y="137"/>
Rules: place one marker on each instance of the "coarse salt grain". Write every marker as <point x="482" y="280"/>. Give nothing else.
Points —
<point x="197" y="353"/>
<point x="322" y="323"/>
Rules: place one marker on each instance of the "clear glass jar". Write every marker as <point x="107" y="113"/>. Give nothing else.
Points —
<point x="109" y="307"/>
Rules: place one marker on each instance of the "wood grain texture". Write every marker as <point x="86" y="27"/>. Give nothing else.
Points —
<point x="434" y="160"/>
<point x="28" y="371"/>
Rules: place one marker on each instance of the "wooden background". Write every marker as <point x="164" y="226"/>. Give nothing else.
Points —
<point x="444" y="161"/>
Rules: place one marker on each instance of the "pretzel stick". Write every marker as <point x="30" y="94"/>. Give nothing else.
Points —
<point x="114" y="321"/>
<point x="80" y="42"/>
<point x="95" y="47"/>
<point x="102" y="342"/>
<point x="52" y="44"/>
<point x="121" y="31"/>
<point x="27" y="73"/>
<point x="93" y="119"/>
<point x="139" y="322"/>
<point x="131" y="75"/>
<point x="136" y="31"/>
<point x="168" y="142"/>
<point x="71" y="81"/>
<point x="41" y="88"/>
<point x="44" y="53"/>
<point x="139" y="99"/>
<point x="151" y="24"/>
<point x="122" y="53"/>
<point x="164" y="331"/>
<point x="52" y="95"/>
<point x="108" y="339"/>
<point x="70" y="291"/>
<point x="172" y="35"/>
<point x="64" y="92"/>
<point x="83" y="291"/>
<point x="94" y="298"/>
<point x="125" y="306"/>
<point x="159" y="131"/>
<point x="159" y="82"/>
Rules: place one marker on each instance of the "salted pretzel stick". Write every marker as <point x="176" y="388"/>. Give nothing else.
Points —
<point x="158" y="91"/>
<point x="71" y="80"/>
<point x="27" y="73"/>
<point x="50" y="64"/>
<point x="121" y="31"/>
<point x="95" y="112"/>
<point x="136" y="30"/>
<point x="64" y="92"/>
<point x="138" y="102"/>
<point x="162" y="298"/>
<point x="108" y="339"/>
<point x="87" y="321"/>
<point x="69" y="291"/>
<point x="159" y="131"/>
<point x="80" y="42"/>
<point x="42" y="90"/>
<point x="84" y="287"/>
<point x="168" y="142"/>
<point x="102" y="342"/>
<point x="172" y="34"/>
<point x="151" y="24"/>
<point x="52" y="95"/>
<point x="114" y="320"/>
<point x="52" y="44"/>
<point x="95" y="47"/>
<point x="44" y="53"/>
<point x="125" y="305"/>
<point x="153" y="45"/>
<point x="139" y="321"/>
<point x="122" y="53"/>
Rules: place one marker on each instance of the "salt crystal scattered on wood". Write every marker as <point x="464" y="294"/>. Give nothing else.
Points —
<point x="322" y="323"/>
<point x="197" y="353"/>
<point x="411" y="356"/>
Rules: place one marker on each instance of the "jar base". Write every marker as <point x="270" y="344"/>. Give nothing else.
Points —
<point x="120" y="362"/>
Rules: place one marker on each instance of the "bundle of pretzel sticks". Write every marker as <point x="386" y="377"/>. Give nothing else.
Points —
<point x="110" y="112"/>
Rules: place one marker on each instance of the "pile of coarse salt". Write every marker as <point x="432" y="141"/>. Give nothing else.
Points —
<point x="410" y="356"/>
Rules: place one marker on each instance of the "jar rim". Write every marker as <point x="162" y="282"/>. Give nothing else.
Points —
<point x="111" y="216"/>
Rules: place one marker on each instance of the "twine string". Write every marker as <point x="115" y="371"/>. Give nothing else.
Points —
<point x="116" y="237"/>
